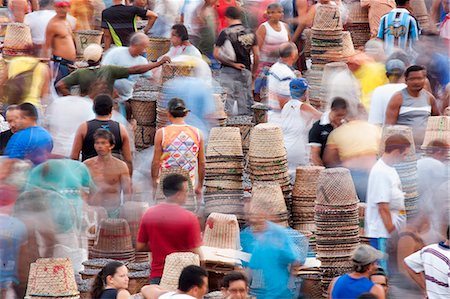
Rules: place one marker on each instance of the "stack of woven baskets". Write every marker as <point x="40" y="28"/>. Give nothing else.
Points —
<point x="221" y="115"/>
<point x="336" y="216"/>
<point x="143" y="108"/>
<point x="268" y="199"/>
<point x="17" y="41"/>
<point x="407" y="169"/>
<point x="157" y="47"/>
<point x="268" y="158"/>
<point x="174" y="264"/>
<point x="304" y="197"/>
<point x="438" y="128"/>
<point x="245" y="125"/>
<point x="359" y="24"/>
<point x="113" y="241"/>
<point x="52" y="278"/>
<point x="224" y="168"/>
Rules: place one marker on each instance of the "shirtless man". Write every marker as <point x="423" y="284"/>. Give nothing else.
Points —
<point x="110" y="175"/>
<point x="59" y="40"/>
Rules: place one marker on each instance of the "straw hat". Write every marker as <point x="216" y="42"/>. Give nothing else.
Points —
<point x="267" y="198"/>
<point x="17" y="40"/>
<point x="327" y="192"/>
<point x="114" y="237"/>
<point x="52" y="277"/>
<point x="174" y="264"/>
<point x="224" y="141"/>
<point x="222" y="231"/>
<point x="267" y="142"/>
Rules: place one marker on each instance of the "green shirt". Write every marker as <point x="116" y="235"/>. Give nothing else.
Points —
<point x="85" y="77"/>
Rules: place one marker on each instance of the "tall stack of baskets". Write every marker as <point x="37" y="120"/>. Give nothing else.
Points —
<point x="407" y="170"/>
<point x="224" y="169"/>
<point x="268" y="199"/>
<point x="336" y="216"/>
<point x="359" y="26"/>
<point x="438" y="128"/>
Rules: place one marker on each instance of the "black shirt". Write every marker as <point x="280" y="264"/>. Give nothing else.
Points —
<point x="319" y="135"/>
<point x="88" y="150"/>
<point x="4" y="138"/>
<point x="109" y="294"/>
<point x="121" y="22"/>
<point x="242" y="39"/>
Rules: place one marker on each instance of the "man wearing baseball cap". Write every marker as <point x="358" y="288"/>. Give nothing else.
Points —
<point x="351" y="286"/>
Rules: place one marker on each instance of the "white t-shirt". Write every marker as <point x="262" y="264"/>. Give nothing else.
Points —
<point x="174" y="295"/>
<point x="433" y="260"/>
<point x="280" y="75"/>
<point x="384" y="186"/>
<point x="380" y="100"/>
<point x="120" y="56"/>
<point x="38" y="21"/>
<point x="189" y="50"/>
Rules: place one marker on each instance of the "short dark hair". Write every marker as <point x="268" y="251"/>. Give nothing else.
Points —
<point x="401" y="2"/>
<point x="28" y="110"/>
<point x="338" y="103"/>
<point x="413" y="68"/>
<point x="177" y="108"/>
<point x="233" y="13"/>
<point x="234" y="276"/>
<point x="367" y="296"/>
<point x="360" y="268"/>
<point x="172" y="184"/>
<point x="273" y="6"/>
<point x="191" y="276"/>
<point x="103" y="105"/>
<point x="181" y="31"/>
<point x="380" y="272"/>
<point x="105" y="134"/>
<point x="396" y="142"/>
<point x="286" y="49"/>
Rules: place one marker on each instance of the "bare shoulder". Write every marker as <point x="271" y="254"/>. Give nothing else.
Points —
<point x="90" y="162"/>
<point x="120" y="164"/>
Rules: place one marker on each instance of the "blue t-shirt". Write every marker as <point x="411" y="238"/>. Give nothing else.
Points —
<point x="33" y="143"/>
<point x="347" y="287"/>
<point x="12" y="235"/>
<point x="272" y="253"/>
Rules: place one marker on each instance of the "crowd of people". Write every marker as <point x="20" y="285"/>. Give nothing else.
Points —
<point x="67" y="137"/>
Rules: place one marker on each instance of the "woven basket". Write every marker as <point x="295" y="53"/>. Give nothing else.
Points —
<point x="357" y="14"/>
<point x="143" y="107"/>
<point x="191" y="203"/>
<point x="144" y="136"/>
<point x="132" y="212"/>
<point x="327" y="17"/>
<point x="17" y="40"/>
<point x="245" y="125"/>
<point x="267" y="198"/>
<point x="84" y="38"/>
<point x="306" y="181"/>
<point x="224" y="141"/>
<point x="335" y="188"/>
<point x="114" y="236"/>
<point x="347" y="44"/>
<point x="307" y="42"/>
<point x="399" y="130"/>
<point x="222" y="231"/>
<point x="174" y="264"/>
<point x="53" y="277"/>
<point x="267" y="142"/>
<point x="157" y="47"/>
<point x="438" y="127"/>
<point x="176" y="69"/>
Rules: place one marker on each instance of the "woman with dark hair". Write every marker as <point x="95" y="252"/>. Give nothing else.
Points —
<point x="111" y="282"/>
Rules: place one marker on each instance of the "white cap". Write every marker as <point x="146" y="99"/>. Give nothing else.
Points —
<point x="93" y="52"/>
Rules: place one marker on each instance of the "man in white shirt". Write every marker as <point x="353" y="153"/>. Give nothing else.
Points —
<point x="385" y="209"/>
<point x="430" y="268"/>
<point x="381" y="95"/>
<point x="181" y="45"/>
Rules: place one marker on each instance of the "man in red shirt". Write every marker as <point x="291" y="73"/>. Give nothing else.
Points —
<point x="167" y="227"/>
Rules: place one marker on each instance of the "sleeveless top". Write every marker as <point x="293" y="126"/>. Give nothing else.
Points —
<point x="180" y="146"/>
<point x="88" y="150"/>
<point x="109" y="294"/>
<point x="347" y="287"/>
<point x="272" y="42"/>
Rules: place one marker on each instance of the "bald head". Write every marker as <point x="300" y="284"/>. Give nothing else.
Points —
<point x="288" y="53"/>
<point x="138" y="43"/>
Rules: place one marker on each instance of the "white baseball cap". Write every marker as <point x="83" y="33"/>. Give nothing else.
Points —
<point x="93" y="52"/>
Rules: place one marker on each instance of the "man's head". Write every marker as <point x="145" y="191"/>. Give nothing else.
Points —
<point x="179" y="35"/>
<point x="288" y="53"/>
<point x="397" y="147"/>
<point x="395" y="69"/>
<point x="402" y="3"/>
<point x="103" y="105"/>
<point x="62" y="7"/>
<point x="380" y="277"/>
<point x="415" y="78"/>
<point x="298" y="88"/>
<point x="193" y="281"/>
<point x="338" y="111"/>
<point x="139" y="43"/>
<point x="28" y="116"/>
<point x="12" y="114"/>
<point x="233" y="14"/>
<point x="93" y="54"/>
<point x="177" y="108"/>
<point x="45" y="4"/>
<point x="365" y="259"/>
<point x="438" y="149"/>
<point x="104" y="142"/>
<point x="235" y="286"/>
<point x="175" y="188"/>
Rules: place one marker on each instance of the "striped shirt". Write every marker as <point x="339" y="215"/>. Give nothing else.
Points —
<point x="398" y="29"/>
<point x="434" y="261"/>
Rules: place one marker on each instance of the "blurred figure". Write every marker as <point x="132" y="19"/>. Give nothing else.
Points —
<point x="412" y="105"/>
<point x="83" y="11"/>
<point x="167" y="227"/>
<point x="181" y="45"/>
<point x="206" y="23"/>
<point x="399" y="28"/>
<point x="189" y="13"/>
<point x="111" y="175"/>
<point x="119" y="23"/>
<point x="221" y="7"/>
<point x="111" y="282"/>
<point x="380" y="278"/>
<point x="179" y="146"/>
<point x="12" y="114"/>
<point x="238" y="71"/>
<point x="13" y="236"/>
<point x="318" y="135"/>
<point x="377" y="9"/>
<point x="429" y="268"/>
<point x="385" y="209"/>
<point x="18" y="9"/>
<point x="297" y="118"/>
<point x="351" y="286"/>
<point x="235" y="286"/>
<point x="382" y="94"/>
<point x="169" y="14"/>
<point x="374" y="48"/>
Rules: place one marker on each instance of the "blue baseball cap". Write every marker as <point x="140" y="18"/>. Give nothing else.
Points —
<point x="298" y="87"/>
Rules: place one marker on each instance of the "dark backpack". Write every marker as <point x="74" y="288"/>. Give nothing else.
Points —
<point x="18" y="87"/>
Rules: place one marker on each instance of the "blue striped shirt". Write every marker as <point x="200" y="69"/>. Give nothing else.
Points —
<point x="398" y="29"/>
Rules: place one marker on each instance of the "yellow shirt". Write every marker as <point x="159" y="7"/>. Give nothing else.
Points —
<point x="355" y="138"/>
<point x="370" y="75"/>
<point x="22" y="64"/>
